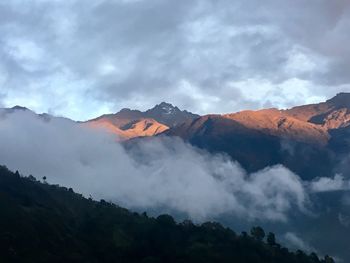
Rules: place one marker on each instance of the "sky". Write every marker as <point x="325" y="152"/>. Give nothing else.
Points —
<point x="80" y="59"/>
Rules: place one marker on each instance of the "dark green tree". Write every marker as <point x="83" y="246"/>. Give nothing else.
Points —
<point x="314" y="257"/>
<point x="328" y="259"/>
<point x="271" y="239"/>
<point x="32" y="178"/>
<point x="244" y="234"/>
<point x="258" y="233"/>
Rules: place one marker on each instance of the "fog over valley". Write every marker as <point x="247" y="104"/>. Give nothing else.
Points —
<point x="158" y="173"/>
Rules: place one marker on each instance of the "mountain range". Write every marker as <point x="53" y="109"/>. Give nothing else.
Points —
<point x="127" y="123"/>
<point x="312" y="124"/>
<point x="311" y="140"/>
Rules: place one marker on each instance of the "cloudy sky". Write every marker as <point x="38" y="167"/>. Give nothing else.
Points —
<point x="82" y="58"/>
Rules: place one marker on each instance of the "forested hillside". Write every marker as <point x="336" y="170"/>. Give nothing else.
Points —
<point x="48" y="223"/>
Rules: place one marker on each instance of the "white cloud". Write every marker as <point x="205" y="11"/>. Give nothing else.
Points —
<point x="278" y="95"/>
<point x="299" y="62"/>
<point x="141" y="52"/>
<point x="325" y="184"/>
<point x="297" y="242"/>
<point x="161" y="173"/>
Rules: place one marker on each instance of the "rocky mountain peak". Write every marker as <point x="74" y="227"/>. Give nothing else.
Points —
<point x="169" y="115"/>
<point x="17" y="107"/>
<point x="164" y="108"/>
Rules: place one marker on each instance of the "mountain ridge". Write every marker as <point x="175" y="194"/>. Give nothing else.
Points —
<point x="311" y="124"/>
<point x="307" y="123"/>
<point x="332" y="114"/>
<point x="164" y="113"/>
<point x="311" y="140"/>
<point x="128" y="124"/>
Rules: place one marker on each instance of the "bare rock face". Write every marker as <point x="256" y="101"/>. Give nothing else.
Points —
<point x="169" y="115"/>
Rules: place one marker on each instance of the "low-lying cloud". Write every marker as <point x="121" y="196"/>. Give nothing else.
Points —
<point x="297" y="242"/>
<point x="157" y="173"/>
<point x="325" y="184"/>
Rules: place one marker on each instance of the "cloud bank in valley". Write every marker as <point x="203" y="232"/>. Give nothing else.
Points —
<point x="159" y="173"/>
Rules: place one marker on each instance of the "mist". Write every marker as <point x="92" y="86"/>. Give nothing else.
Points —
<point x="157" y="173"/>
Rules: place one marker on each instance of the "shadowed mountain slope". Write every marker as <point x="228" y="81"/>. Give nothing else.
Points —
<point x="311" y="140"/>
<point x="255" y="148"/>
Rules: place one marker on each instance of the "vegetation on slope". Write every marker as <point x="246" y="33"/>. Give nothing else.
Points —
<point x="48" y="223"/>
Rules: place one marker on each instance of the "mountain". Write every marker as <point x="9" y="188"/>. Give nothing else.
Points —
<point x="255" y="148"/>
<point x="4" y="111"/>
<point x="48" y="223"/>
<point x="310" y="140"/>
<point x="332" y="114"/>
<point x="129" y="124"/>
<point x="278" y="123"/>
<point x="127" y="129"/>
<point x="169" y="115"/>
<point x="17" y="108"/>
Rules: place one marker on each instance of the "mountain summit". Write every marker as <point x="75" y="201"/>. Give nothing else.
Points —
<point x="129" y="123"/>
<point x="169" y="115"/>
<point x="165" y="108"/>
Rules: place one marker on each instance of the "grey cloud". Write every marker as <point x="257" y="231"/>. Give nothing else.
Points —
<point x="207" y="56"/>
<point x="346" y="200"/>
<point x="344" y="219"/>
<point x="325" y="184"/>
<point x="155" y="174"/>
<point x="292" y="239"/>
